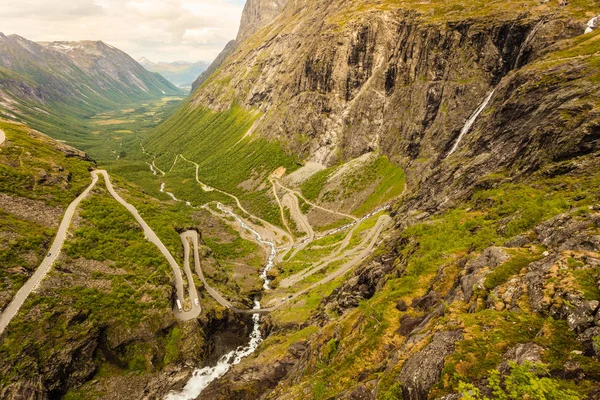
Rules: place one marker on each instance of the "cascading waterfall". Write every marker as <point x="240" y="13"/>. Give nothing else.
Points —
<point x="201" y="378"/>
<point x="204" y="376"/>
<point x="528" y="40"/>
<point x="591" y="25"/>
<point x="469" y="124"/>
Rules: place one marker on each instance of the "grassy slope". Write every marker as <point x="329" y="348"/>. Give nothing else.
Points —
<point x="32" y="168"/>
<point x="217" y="142"/>
<point x="375" y="182"/>
<point x="125" y="288"/>
<point x="469" y="228"/>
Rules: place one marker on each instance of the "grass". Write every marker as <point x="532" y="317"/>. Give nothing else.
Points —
<point x="313" y="186"/>
<point x="502" y="273"/>
<point x="433" y="247"/>
<point x="122" y="285"/>
<point x="32" y="168"/>
<point x="375" y="182"/>
<point x="216" y="141"/>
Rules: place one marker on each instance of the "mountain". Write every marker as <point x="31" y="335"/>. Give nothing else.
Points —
<point x="45" y="82"/>
<point x="492" y="112"/>
<point x="396" y="199"/>
<point x="179" y="73"/>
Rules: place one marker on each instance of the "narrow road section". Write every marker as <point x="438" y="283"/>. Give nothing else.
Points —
<point x="42" y="271"/>
<point x="152" y="237"/>
<point x="2" y="136"/>
<point x="33" y="282"/>
<point x="192" y="236"/>
<point x="382" y="223"/>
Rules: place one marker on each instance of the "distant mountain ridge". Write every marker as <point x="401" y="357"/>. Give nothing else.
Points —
<point x="46" y="83"/>
<point x="179" y="73"/>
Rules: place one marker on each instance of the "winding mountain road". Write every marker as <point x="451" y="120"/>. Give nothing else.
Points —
<point x="33" y="282"/>
<point x="192" y="236"/>
<point x="41" y="272"/>
<point x="382" y="223"/>
<point x="301" y="196"/>
<point x="153" y="238"/>
<point x="278" y="233"/>
<point x="371" y="236"/>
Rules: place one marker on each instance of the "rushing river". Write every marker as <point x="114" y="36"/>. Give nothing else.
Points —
<point x="202" y="377"/>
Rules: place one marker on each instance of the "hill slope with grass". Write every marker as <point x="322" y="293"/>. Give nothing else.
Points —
<point x="480" y="123"/>
<point x="56" y="86"/>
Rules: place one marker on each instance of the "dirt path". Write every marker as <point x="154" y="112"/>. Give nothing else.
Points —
<point x="41" y="272"/>
<point x="2" y="136"/>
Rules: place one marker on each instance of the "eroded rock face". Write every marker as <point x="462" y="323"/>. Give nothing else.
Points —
<point x="478" y="268"/>
<point x="421" y="371"/>
<point x="522" y="353"/>
<point x="258" y="13"/>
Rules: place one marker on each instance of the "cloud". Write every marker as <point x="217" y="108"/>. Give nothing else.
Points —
<point x="161" y="30"/>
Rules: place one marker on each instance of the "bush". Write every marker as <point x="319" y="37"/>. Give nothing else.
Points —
<point x="523" y="382"/>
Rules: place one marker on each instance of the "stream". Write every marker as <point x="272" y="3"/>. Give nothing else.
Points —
<point x="469" y="124"/>
<point x="202" y="377"/>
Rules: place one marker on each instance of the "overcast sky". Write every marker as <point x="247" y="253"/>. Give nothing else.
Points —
<point x="160" y="30"/>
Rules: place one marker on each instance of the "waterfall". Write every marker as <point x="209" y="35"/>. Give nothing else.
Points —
<point x="202" y="377"/>
<point x="528" y="40"/>
<point x="471" y="121"/>
<point x="591" y="25"/>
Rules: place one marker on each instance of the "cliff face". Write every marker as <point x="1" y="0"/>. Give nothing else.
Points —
<point x="336" y="80"/>
<point x="258" y="13"/>
<point x="494" y="256"/>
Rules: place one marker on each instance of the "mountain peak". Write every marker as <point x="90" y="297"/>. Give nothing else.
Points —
<point x="258" y="13"/>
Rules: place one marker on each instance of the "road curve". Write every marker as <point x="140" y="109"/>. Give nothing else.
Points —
<point x="290" y="201"/>
<point x="153" y="238"/>
<point x="382" y="223"/>
<point x="192" y="236"/>
<point x="33" y="282"/>
<point x="336" y="256"/>
<point x="2" y="136"/>
<point x="301" y="196"/>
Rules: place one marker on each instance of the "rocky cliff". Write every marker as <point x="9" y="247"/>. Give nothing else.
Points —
<point x="493" y="112"/>
<point x="338" y="80"/>
<point x="257" y="14"/>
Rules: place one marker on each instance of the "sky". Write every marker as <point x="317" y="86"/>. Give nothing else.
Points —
<point x="160" y="30"/>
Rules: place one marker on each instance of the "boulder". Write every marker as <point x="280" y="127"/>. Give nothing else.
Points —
<point x="401" y="306"/>
<point x="521" y="353"/>
<point x="590" y="340"/>
<point x="479" y="267"/>
<point x="423" y="370"/>
<point x="408" y="324"/>
<point x="425" y="303"/>
<point x="582" y="316"/>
